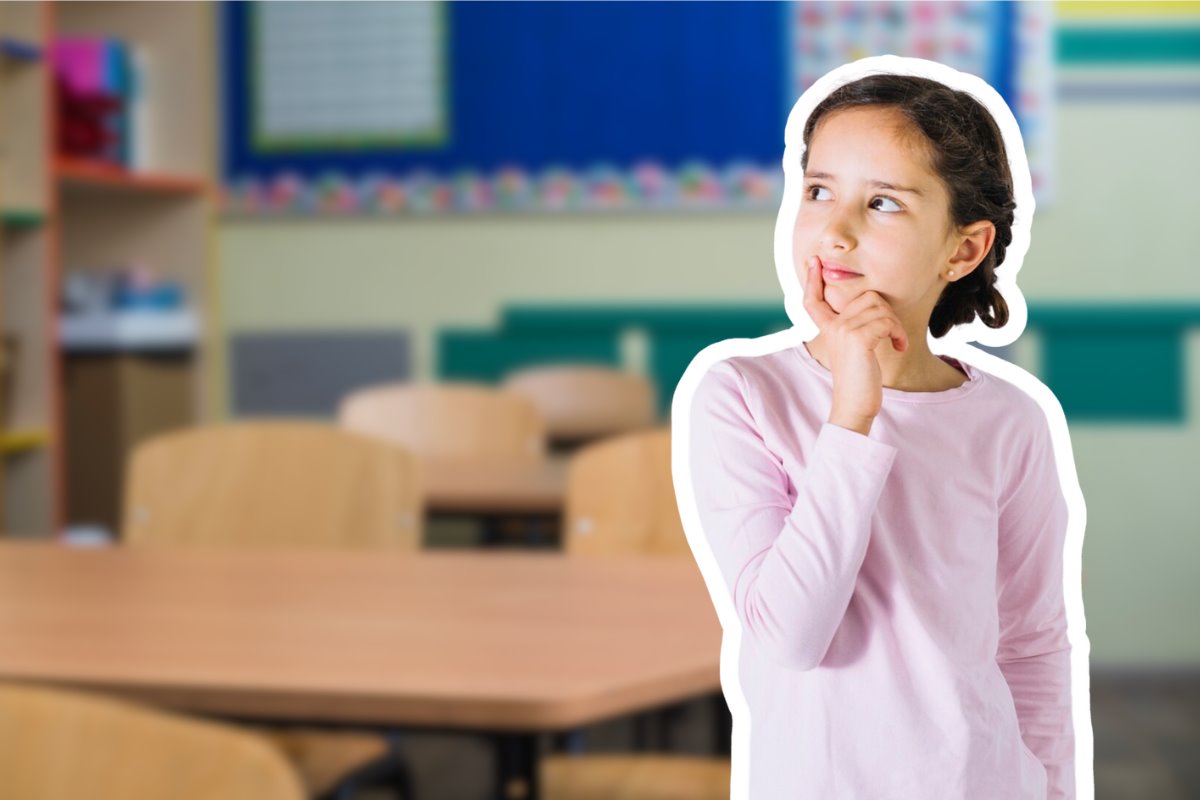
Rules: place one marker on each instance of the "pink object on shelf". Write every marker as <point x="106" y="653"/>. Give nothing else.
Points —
<point x="80" y="62"/>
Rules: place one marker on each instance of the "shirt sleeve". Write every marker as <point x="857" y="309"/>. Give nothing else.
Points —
<point x="790" y="567"/>
<point x="1034" y="653"/>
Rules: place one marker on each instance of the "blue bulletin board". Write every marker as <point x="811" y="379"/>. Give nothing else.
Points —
<point x="567" y="95"/>
<point x="547" y="106"/>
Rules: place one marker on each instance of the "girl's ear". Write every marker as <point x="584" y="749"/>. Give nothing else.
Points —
<point x="975" y="240"/>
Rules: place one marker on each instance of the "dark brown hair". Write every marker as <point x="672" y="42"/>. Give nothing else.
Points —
<point x="967" y="152"/>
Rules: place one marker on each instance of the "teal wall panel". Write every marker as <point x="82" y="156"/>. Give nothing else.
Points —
<point x="487" y="355"/>
<point x="1105" y="362"/>
<point x="743" y="320"/>
<point x="1120" y="363"/>
<point x="1100" y="374"/>
<point x="670" y="354"/>
<point x="1130" y="45"/>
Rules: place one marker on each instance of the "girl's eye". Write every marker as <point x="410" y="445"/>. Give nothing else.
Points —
<point x="808" y="194"/>
<point x="817" y="187"/>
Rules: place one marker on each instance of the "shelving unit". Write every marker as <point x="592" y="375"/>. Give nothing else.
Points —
<point x="65" y="214"/>
<point x="29" y="427"/>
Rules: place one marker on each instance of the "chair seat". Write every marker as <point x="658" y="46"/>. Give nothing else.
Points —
<point x="634" y="777"/>
<point x="323" y="758"/>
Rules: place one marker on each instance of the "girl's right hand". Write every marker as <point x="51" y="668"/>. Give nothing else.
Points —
<point x="851" y="338"/>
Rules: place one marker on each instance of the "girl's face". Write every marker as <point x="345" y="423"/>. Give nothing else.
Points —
<point x="872" y="205"/>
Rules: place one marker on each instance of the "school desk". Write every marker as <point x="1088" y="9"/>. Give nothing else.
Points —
<point x="534" y="493"/>
<point x="454" y="487"/>
<point x="509" y="645"/>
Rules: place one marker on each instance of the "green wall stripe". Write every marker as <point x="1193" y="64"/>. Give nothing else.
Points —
<point x="1114" y="316"/>
<point x="1128" y="45"/>
<point x="1080" y="344"/>
<point x="486" y="355"/>
<point x="585" y="317"/>
<point x="1078" y="366"/>
<point x="613" y="317"/>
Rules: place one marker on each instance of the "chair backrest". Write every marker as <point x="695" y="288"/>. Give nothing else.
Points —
<point x="581" y="401"/>
<point x="449" y="421"/>
<point x="64" y="745"/>
<point x="273" y="483"/>
<point x="621" y="500"/>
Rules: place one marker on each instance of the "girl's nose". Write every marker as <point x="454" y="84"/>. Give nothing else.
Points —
<point x="839" y="231"/>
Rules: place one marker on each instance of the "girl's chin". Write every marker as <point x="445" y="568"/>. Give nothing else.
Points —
<point x="838" y="295"/>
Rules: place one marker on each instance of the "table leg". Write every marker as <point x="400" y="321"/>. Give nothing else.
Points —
<point x="517" y="759"/>
<point x="573" y="741"/>
<point x="642" y="734"/>
<point x="489" y="529"/>
<point x="722" y="725"/>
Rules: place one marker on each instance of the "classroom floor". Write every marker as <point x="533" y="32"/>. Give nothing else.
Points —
<point x="1146" y="729"/>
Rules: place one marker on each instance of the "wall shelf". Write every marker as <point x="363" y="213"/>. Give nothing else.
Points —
<point x="77" y="172"/>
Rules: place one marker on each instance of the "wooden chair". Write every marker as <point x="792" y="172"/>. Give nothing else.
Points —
<point x="449" y="421"/>
<point x="64" y="745"/>
<point x="272" y="483"/>
<point x="452" y="423"/>
<point x="621" y="500"/>
<point x="583" y="402"/>
<point x="282" y="484"/>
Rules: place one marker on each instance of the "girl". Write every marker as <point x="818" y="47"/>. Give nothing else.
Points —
<point x="889" y="523"/>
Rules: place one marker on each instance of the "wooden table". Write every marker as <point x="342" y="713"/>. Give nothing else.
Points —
<point x="507" y="644"/>
<point x="535" y="489"/>
<point x="534" y="494"/>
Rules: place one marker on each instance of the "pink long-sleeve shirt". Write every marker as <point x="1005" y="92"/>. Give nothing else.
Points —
<point x="900" y="593"/>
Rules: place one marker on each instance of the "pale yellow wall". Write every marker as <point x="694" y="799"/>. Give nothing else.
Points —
<point x="1122" y="227"/>
<point x="425" y="274"/>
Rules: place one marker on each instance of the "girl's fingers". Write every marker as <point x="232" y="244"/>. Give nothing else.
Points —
<point x="814" y="295"/>
<point x="871" y="306"/>
<point x="884" y="326"/>
<point x="873" y="309"/>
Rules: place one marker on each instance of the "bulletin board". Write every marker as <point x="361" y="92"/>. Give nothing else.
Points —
<point x="450" y="107"/>
<point x="547" y="105"/>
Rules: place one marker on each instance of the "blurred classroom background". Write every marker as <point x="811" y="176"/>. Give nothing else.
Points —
<point x="363" y="279"/>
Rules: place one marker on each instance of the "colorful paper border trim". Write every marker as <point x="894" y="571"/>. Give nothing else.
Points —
<point x="647" y="186"/>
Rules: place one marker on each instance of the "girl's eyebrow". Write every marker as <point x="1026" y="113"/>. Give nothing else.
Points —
<point x="876" y="183"/>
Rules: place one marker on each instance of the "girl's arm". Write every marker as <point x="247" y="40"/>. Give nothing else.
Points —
<point x="1034" y="653"/>
<point x="790" y="567"/>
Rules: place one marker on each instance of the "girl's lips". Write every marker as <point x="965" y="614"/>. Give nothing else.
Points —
<point x="837" y="274"/>
<point x="831" y="270"/>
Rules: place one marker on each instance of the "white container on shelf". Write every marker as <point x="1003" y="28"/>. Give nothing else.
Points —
<point x="138" y="329"/>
